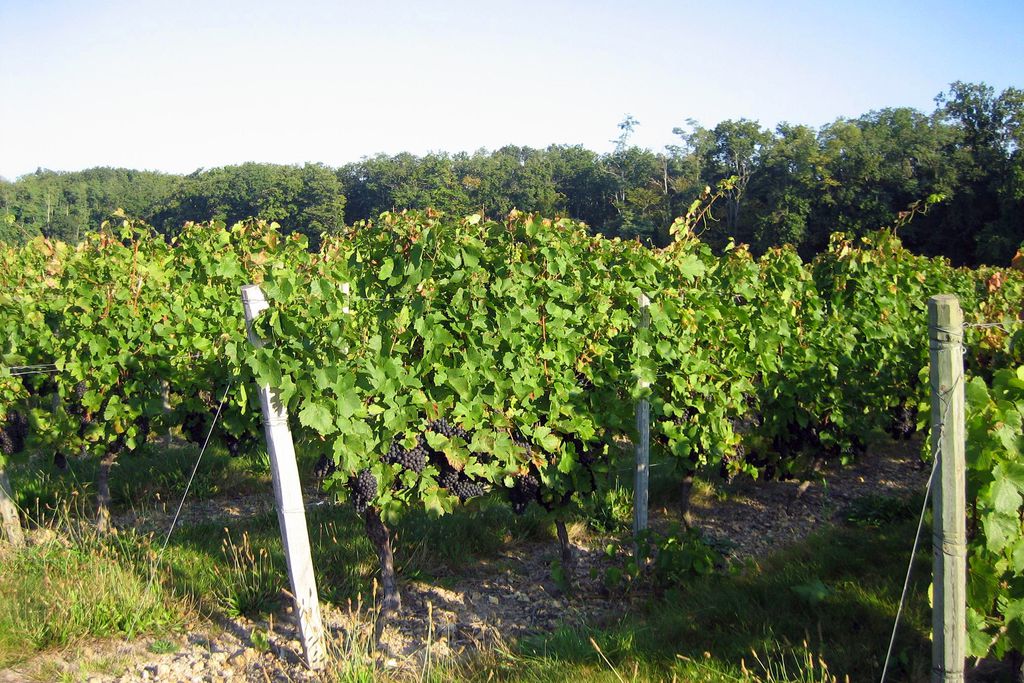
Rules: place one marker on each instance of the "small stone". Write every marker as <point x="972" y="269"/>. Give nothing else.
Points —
<point x="493" y="599"/>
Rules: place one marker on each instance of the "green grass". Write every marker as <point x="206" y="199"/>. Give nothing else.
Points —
<point x="56" y="594"/>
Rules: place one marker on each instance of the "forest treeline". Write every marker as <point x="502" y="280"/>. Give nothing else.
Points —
<point x="793" y="184"/>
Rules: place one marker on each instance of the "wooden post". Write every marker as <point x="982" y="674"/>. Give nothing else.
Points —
<point x="291" y="513"/>
<point x="643" y="443"/>
<point x="949" y="534"/>
<point x="165" y="402"/>
<point x="9" y="510"/>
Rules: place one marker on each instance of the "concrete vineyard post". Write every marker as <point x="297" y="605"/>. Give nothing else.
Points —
<point x="949" y="621"/>
<point x="643" y="443"/>
<point x="291" y="512"/>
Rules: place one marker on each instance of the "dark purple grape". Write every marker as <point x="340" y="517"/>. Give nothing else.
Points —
<point x="525" y="489"/>
<point x="324" y="468"/>
<point x="364" y="490"/>
<point x="13" y="433"/>
<point x="414" y="459"/>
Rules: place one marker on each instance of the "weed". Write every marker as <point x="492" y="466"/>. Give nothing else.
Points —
<point x="782" y="664"/>
<point x="249" y="584"/>
<point x="260" y="640"/>
<point x="610" y="511"/>
<point x="163" y="646"/>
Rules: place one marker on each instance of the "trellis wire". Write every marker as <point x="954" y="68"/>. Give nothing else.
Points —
<point x="920" y="524"/>
<point x="24" y="370"/>
<point x="181" y="504"/>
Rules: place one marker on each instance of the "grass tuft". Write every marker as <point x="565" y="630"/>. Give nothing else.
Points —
<point x="248" y="583"/>
<point x="58" y="593"/>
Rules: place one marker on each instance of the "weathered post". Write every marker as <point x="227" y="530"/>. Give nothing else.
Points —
<point x="9" y="510"/>
<point x="165" y="403"/>
<point x="643" y="443"/>
<point x="949" y="625"/>
<point x="291" y="513"/>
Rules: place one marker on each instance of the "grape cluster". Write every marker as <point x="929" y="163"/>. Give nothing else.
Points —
<point x="75" y="407"/>
<point x="233" y="444"/>
<point x="364" y="490"/>
<point x="324" y="468"/>
<point x="841" y="445"/>
<point x="79" y="392"/>
<point x="754" y="416"/>
<point x="730" y="460"/>
<point x="520" y="442"/>
<point x="142" y="429"/>
<point x="743" y="425"/>
<point x="454" y="481"/>
<point x="587" y="456"/>
<point x="413" y="459"/>
<point x="583" y="381"/>
<point x="445" y="428"/>
<point x="117" y="445"/>
<point x="13" y="433"/>
<point x="903" y="421"/>
<point x="459" y="483"/>
<point x="525" y="489"/>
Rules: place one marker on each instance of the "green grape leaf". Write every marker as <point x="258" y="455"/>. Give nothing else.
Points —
<point x="318" y="417"/>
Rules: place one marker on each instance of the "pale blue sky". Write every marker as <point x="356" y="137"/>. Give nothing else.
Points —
<point x="181" y="84"/>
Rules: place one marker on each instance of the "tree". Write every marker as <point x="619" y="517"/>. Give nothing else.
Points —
<point x="789" y="187"/>
<point x="988" y="203"/>
<point x="306" y="199"/>
<point x="732" y="149"/>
